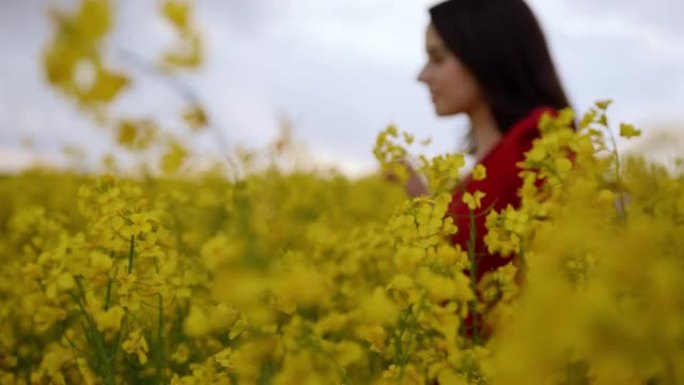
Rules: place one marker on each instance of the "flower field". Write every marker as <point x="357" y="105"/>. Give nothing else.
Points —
<point x="305" y="277"/>
<point x="256" y="274"/>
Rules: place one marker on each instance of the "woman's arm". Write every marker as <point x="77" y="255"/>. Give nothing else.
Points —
<point x="416" y="185"/>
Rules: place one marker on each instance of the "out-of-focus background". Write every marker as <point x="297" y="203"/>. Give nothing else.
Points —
<point x="339" y="70"/>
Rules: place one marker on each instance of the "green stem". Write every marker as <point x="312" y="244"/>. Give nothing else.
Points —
<point x="160" y="341"/>
<point x="97" y="340"/>
<point x="522" y="261"/>
<point x="400" y="354"/>
<point x="131" y="254"/>
<point x="473" y="276"/>
<point x="117" y="339"/>
<point x="108" y="295"/>
<point x="622" y="205"/>
<point x="73" y="345"/>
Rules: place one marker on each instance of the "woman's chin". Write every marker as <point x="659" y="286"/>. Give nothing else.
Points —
<point x="440" y="111"/>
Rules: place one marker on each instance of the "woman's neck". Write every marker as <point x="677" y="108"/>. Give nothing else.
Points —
<point x="485" y="131"/>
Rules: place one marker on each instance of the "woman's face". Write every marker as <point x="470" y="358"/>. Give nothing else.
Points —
<point x="453" y="87"/>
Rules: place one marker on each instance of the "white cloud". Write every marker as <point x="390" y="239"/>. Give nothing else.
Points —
<point x="661" y="15"/>
<point x="604" y="50"/>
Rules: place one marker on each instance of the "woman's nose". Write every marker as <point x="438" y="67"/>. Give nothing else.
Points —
<point x="422" y="75"/>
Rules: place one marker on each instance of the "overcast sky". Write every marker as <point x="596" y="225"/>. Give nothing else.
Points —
<point x="340" y="69"/>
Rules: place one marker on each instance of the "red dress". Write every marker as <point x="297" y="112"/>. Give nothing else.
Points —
<point x="500" y="187"/>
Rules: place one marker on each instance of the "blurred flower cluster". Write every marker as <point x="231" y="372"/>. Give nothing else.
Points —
<point x="312" y="278"/>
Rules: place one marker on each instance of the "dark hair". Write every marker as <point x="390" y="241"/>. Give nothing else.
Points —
<point x="502" y="44"/>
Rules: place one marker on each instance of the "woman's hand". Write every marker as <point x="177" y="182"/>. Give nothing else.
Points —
<point x="415" y="184"/>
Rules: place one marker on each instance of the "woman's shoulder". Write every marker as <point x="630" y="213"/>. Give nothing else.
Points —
<point x="518" y="139"/>
<point x="527" y="128"/>
<point x="502" y="162"/>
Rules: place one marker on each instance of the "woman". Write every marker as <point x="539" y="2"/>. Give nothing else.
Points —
<point x="489" y="59"/>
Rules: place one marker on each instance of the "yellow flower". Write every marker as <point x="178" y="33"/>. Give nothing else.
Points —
<point x="100" y="262"/>
<point x="46" y="316"/>
<point x="563" y="165"/>
<point x="141" y="223"/>
<point x="195" y="116"/>
<point x="174" y="158"/>
<point x="347" y="352"/>
<point x="299" y="369"/>
<point x="375" y="334"/>
<point x="197" y="322"/>
<point x="221" y="251"/>
<point x="333" y="322"/>
<point x="65" y="281"/>
<point x="223" y="358"/>
<point x="128" y="296"/>
<point x="181" y="355"/>
<point x="126" y="282"/>
<point x="401" y="282"/>
<point x="629" y="131"/>
<point x="378" y="309"/>
<point x="473" y="200"/>
<point x="54" y="360"/>
<point x="479" y="172"/>
<point x="127" y="133"/>
<point x="301" y="284"/>
<point x="604" y="104"/>
<point x="448" y="377"/>
<point x="136" y="344"/>
<point x="109" y="320"/>
<point x="443" y="288"/>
